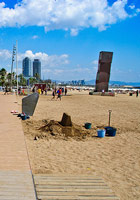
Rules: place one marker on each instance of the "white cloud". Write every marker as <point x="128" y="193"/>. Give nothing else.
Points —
<point x="95" y="62"/>
<point x="74" y="32"/>
<point x="132" y="7"/>
<point x="49" y="63"/>
<point x="72" y="15"/>
<point x="35" y="37"/>
<point x="46" y="60"/>
<point x="138" y="10"/>
<point x="5" y="54"/>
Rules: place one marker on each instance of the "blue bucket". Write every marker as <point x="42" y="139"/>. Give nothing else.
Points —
<point x="24" y="117"/>
<point x="101" y="133"/>
<point x="88" y="125"/>
<point x="110" y="131"/>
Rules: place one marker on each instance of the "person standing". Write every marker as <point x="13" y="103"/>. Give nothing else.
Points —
<point x="62" y="91"/>
<point x="6" y="90"/>
<point x="137" y="93"/>
<point x="39" y="91"/>
<point x="45" y="91"/>
<point x="33" y="90"/>
<point x="65" y="91"/>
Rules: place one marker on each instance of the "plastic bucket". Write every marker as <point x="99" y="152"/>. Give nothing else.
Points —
<point x="110" y="131"/>
<point x="24" y="117"/>
<point x="28" y="117"/>
<point x="87" y="125"/>
<point x="101" y="133"/>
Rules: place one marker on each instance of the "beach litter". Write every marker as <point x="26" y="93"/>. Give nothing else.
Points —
<point x="14" y="111"/>
<point x="23" y="116"/>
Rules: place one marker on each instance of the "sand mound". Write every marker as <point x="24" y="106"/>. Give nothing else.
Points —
<point x="44" y="129"/>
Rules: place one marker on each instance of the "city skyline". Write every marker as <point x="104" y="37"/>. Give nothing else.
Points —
<point x="27" y="67"/>
<point x="31" y="69"/>
<point x="68" y="35"/>
<point x="37" y="68"/>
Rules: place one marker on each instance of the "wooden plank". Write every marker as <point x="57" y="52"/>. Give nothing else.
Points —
<point x="72" y="187"/>
<point x="71" y="184"/>
<point x="67" y="189"/>
<point x="78" y="198"/>
<point x="69" y="181"/>
<point x="66" y="180"/>
<point x="69" y="193"/>
<point x="39" y="176"/>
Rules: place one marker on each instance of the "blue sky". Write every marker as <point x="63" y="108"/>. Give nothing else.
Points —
<point x="67" y="36"/>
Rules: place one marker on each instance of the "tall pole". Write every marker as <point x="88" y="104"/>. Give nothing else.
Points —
<point x="13" y="54"/>
<point x="11" y="73"/>
<point x="109" y="117"/>
<point x="17" y="63"/>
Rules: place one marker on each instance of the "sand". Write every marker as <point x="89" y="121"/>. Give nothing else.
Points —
<point x="115" y="159"/>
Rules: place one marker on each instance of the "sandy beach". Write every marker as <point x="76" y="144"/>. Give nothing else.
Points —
<point x="115" y="159"/>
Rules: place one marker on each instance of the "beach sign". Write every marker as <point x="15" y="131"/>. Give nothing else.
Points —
<point x="29" y="104"/>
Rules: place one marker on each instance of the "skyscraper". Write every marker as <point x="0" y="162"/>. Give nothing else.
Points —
<point x="37" y="68"/>
<point x="26" y="67"/>
<point x="103" y="74"/>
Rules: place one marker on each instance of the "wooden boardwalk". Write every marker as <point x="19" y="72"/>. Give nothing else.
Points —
<point x="53" y="187"/>
<point x="16" y="182"/>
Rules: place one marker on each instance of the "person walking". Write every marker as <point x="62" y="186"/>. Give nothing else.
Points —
<point x="53" y="94"/>
<point x="59" y="93"/>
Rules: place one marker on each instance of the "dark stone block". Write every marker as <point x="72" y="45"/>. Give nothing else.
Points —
<point x="29" y="104"/>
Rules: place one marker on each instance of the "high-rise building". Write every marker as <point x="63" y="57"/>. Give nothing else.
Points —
<point x="26" y="67"/>
<point x="37" y="68"/>
<point x="103" y="73"/>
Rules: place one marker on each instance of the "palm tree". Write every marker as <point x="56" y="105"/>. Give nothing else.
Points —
<point x="3" y="72"/>
<point x="22" y="80"/>
<point x="3" y="76"/>
<point x="37" y="76"/>
<point x="32" y="80"/>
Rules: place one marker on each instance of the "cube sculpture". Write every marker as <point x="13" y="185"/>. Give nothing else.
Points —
<point x="103" y="73"/>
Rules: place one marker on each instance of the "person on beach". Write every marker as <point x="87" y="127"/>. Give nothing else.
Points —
<point x="137" y="93"/>
<point x="62" y="91"/>
<point x="39" y="91"/>
<point x="6" y="90"/>
<point x="59" y="92"/>
<point x="45" y="91"/>
<point x="19" y="90"/>
<point x="33" y="90"/>
<point x="65" y="91"/>
<point x="53" y="94"/>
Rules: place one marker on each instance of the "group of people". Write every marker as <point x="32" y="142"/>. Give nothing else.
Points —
<point x="21" y="91"/>
<point x="59" y="93"/>
<point x="56" y="92"/>
<point x="39" y="90"/>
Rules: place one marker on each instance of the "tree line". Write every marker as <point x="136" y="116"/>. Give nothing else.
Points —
<point x="8" y="79"/>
